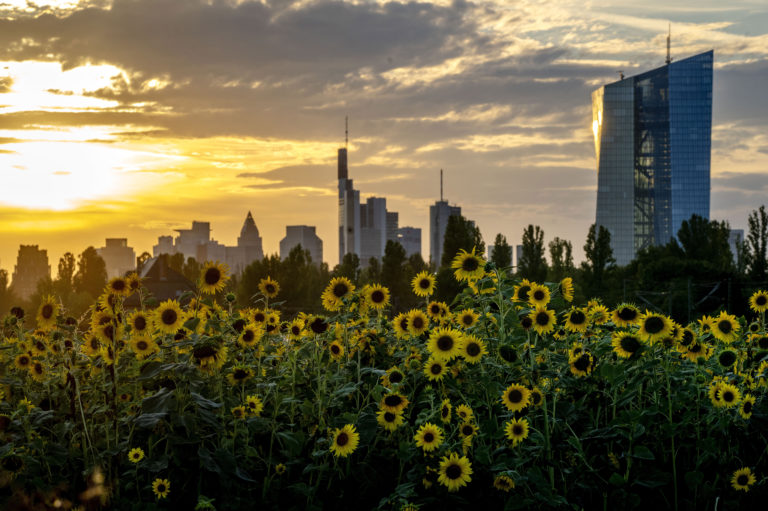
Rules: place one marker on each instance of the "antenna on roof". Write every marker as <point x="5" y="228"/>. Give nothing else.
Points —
<point x="669" y="36"/>
<point x="621" y="75"/>
<point x="346" y="131"/>
<point x="441" y="185"/>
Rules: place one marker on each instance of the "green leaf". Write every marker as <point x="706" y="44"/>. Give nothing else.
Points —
<point x="616" y="480"/>
<point x="643" y="453"/>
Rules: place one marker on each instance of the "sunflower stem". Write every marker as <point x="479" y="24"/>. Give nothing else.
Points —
<point x="672" y="428"/>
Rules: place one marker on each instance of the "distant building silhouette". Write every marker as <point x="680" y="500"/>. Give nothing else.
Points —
<point x="438" y="221"/>
<point x="197" y="243"/>
<point x="735" y="239"/>
<point x="410" y="239"/>
<point x="653" y="136"/>
<point x="161" y="282"/>
<point x="305" y="236"/>
<point x="118" y="257"/>
<point x="349" y="210"/>
<point x="31" y="267"/>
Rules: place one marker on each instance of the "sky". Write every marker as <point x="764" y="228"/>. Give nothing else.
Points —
<point x="131" y="118"/>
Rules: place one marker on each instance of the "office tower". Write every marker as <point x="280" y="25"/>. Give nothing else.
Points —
<point x="373" y="229"/>
<point x="349" y="210"/>
<point x="118" y="257"/>
<point x="305" y="236"/>
<point x="439" y="213"/>
<point x="653" y="142"/>
<point x="31" y="267"/>
<point x="410" y="239"/>
<point x="393" y="220"/>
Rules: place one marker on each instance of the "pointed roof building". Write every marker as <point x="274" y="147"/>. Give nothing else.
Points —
<point x="249" y="238"/>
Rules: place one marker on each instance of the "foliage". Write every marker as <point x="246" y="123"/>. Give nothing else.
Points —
<point x="91" y="276"/>
<point x="460" y="234"/>
<point x="501" y="253"/>
<point x="757" y="244"/>
<point x="532" y="264"/>
<point x="561" y="258"/>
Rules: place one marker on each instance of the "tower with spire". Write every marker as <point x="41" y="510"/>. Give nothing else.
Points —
<point x="349" y="204"/>
<point x="249" y="241"/>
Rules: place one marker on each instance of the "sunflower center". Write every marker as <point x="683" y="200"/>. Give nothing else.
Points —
<point x="418" y="322"/>
<point x="424" y="283"/>
<point x="259" y="317"/>
<point x="270" y="288"/>
<point x="536" y="397"/>
<point x="47" y="311"/>
<point x="526" y="322"/>
<point x="393" y="400"/>
<point x="436" y="369"/>
<point x="429" y="438"/>
<point x="118" y="285"/>
<point x="627" y="314"/>
<point x="444" y="412"/>
<point x="467" y="430"/>
<point x="725" y="326"/>
<point x="161" y="488"/>
<point x="727" y="358"/>
<point x="517" y="430"/>
<point x="583" y="362"/>
<point x="696" y="348"/>
<point x="538" y="295"/>
<point x="761" y="300"/>
<point x="340" y="290"/>
<point x="515" y="396"/>
<point x="445" y="343"/>
<point x="335" y="349"/>
<point x="742" y="480"/>
<point x="434" y="309"/>
<point x="377" y="296"/>
<point x="763" y="343"/>
<point x="687" y="338"/>
<point x="169" y="317"/>
<point x="747" y="407"/>
<point x="542" y="318"/>
<point x="204" y="352"/>
<point x="473" y="349"/>
<point x="240" y="374"/>
<point x="728" y="396"/>
<point x="453" y="472"/>
<point x="654" y="325"/>
<point x="140" y="323"/>
<point x="522" y="293"/>
<point x="142" y="345"/>
<point x="467" y="319"/>
<point x="577" y="317"/>
<point x="395" y="377"/>
<point x="630" y="344"/>
<point x="404" y="324"/>
<point x="295" y="330"/>
<point x="470" y="264"/>
<point x="212" y="276"/>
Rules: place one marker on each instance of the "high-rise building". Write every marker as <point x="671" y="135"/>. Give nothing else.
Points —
<point x="31" y="267"/>
<point x="373" y="229"/>
<point x="438" y="221"/>
<point x="410" y="239"/>
<point x="118" y="257"/>
<point x="305" y="236"/>
<point x="653" y="143"/>
<point x="349" y="210"/>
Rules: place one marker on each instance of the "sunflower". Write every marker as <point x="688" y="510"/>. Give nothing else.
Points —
<point x="168" y="317"/>
<point x="516" y="397"/>
<point x="209" y="356"/>
<point x="465" y="413"/>
<point x="418" y="322"/>
<point x="135" y="455"/>
<point x="337" y="350"/>
<point x="400" y="325"/>
<point x="435" y="369"/>
<point x="269" y="287"/>
<point x="742" y="479"/>
<point x="522" y="290"/>
<point x="538" y="295"/>
<point x="428" y="437"/>
<point x="344" y="441"/>
<point x="445" y="410"/>
<point x="37" y="371"/>
<point x="423" y="284"/>
<point x="389" y="420"/>
<point x="576" y="320"/>
<point x="466" y="318"/>
<point x="444" y="343"/>
<point x="133" y="281"/>
<point x="295" y="329"/>
<point x="253" y="405"/>
<point x="238" y="412"/>
<point x="582" y="365"/>
<point x="455" y="471"/>
<point x="696" y="350"/>
<point x="143" y="347"/>
<point x="758" y="302"/>
<point x="161" y="488"/>
<point x="467" y="430"/>
<point x="688" y="336"/>
<point x="23" y="361"/>
<point x="139" y="322"/>
<point x="654" y="326"/>
<point x="599" y="314"/>
<point x="377" y="296"/>
<point x="317" y="324"/>
<point x="543" y="319"/>
<point x="727" y="358"/>
<point x="437" y="310"/>
<point x="468" y="266"/>
<point x="747" y="405"/>
<point x="759" y="340"/>
<point x="46" y="313"/>
<point x="504" y="483"/>
<point x="537" y="396"/>
<point x="727" y="396"/>
<point x="566" y="289"/>
<point x="250" y="335"/>
<point x="472" y="349"/>
<point x="516" y="430"/>
<point x="705" y="324"/>
<point x="625" y="314"/>
<point x="626" y="344"/>
<point x="339" y="288"/>
<point x="393" y="376"/>
<point x="754" y="327"/>
<point x="239" y="375"/>
<point x="726" y="328"/>
<point x="213" y="277"/>
<point x="393" y="402"/>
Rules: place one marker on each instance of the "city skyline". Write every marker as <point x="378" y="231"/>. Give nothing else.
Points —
<point x="132" y="133"/>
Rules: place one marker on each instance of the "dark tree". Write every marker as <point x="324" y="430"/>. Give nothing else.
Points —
<point x="599" y="258"/>
<point x="91" y="276"/>
<point x="460" y="233"/>
<point x="372" y="273"/>
<point x="394" y="273"/>
<point x="64" y="283"/>
<point x="191" y="269"/>
<point x="349" y="267"/>
<point x="532" y="264"/>
<point x="142" y="260"/>
<point x="501" y="253"/>
<point x="561" y="258"/>
<point x="757" y="244"/>
<point x="706" y="241"/>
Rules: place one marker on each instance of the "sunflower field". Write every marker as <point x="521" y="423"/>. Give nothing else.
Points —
<point x="510" y="397"/>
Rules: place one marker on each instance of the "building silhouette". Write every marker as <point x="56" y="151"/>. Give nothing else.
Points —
<point x="31" y="267"/>
<point x="410" y="239"/>
<point x="118" y="257"/>
<point x="439" y="213"/>
<point x="349" y="210"/>
<point x="305" y="236"/>
<point x="197" y="244"/>
<point x="653" y="136"/>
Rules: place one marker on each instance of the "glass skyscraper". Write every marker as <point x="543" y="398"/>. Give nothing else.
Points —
<point x="653" y="137"/>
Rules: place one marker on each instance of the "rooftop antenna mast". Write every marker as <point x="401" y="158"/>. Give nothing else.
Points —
<point x="441" y="185"/>
<point x="669" y="36"/>
<point x="346" y="131"/>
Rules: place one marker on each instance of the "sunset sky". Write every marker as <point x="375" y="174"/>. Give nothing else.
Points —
<point x="132" y="118"/>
